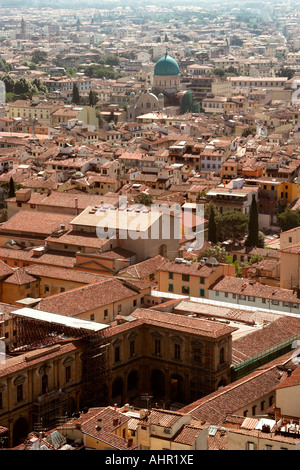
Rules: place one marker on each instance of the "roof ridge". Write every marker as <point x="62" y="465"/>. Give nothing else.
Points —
<point x="228" y="387"/>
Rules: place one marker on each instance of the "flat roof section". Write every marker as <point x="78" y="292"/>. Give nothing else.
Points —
<point x="59" y="319"/>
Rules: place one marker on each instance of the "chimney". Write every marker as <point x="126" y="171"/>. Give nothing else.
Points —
<point x="115" y="422"/>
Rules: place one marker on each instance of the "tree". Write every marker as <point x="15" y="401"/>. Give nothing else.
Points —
<point x="285" y="72"/>
<point x="9" y="83"/>
<point x="212" y="229"/>
<point x="219" y="72"/>
<point x="3" y="215"/>
<point x="93" y="98"/>
<point x="231" y="224"/>
<point x="144" y="199"/>
<point x="39" y="85"/>
<point x="75" y="94"/>
<point x="23" y="86"/>
<point x="253" y="231"/>
<point x="11" y="192"/>
<point x="216" y="251"/>
<point x="288" y="219"/>
<point x="38" y="56"/>
<point x="112" y="60"/>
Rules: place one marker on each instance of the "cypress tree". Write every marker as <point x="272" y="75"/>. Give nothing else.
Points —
<point x="212" y="229"/>
<point x="75" y="95"/>
<point x="253" y="230"/>
<point x="11" y="192"/>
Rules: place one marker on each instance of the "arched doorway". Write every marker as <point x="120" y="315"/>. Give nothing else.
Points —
<point x="20" y="431"/>
<point x="132" y="381"/>
<point x="117" y="390"/>
<point x="163" y="250"/>
<point x="158" y="386"/>
<point x="176" y="388"/>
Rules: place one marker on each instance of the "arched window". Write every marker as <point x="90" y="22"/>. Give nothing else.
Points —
<point x="222" y="355"/>
<point x="45" y="383"/>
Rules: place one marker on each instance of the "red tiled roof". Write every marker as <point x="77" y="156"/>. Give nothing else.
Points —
<point x="86" y="298"/>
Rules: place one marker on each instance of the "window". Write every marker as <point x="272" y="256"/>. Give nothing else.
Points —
<point x="185" y="290"/>
<point x="177" y="351"/>
<point x="185" y="277"/>
<point x="19" y="392"/>
<point x="270" y="401"/>
<point x="250" y="446"/>
<point x="245" y="412"/>
<point x="157" y="347"/>
<point x="44" y="384"/>
<point x="92" y="317"/>
<point x="132" y="348"/>
<point x="202" y="280"/>
<point x="268" y="447"/>
<point x="251" y="298"/>
<point x="134" y="303"/>
<point x="222" y="355"/>
<point x="254" y="410"/>
<point x="68" y="373"/>
<point x="171" y="276"/>
<point x="119" y="308"/>
<point x="170" y="288"/>
<point x="262" y="405"/>
<point x="105" y="313"/>
<point x="47" y="288"/>
<point x="117" y="353"/>
<point x="202" y="293"/>
<point x="62" y="289"/>
<point x="275" y="302"/>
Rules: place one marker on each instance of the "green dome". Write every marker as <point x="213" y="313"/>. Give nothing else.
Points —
<point x="166" y="65"/>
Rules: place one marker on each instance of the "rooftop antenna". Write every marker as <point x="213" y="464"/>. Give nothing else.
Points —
<point x="148" y="398"/>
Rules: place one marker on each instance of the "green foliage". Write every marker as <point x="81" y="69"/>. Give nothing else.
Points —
<point x="5" y="66"/>
<point x="3" y="215"/>
<point x="288" y="219"/>
<point x="93" y="98"/>
<point x="216" y="251"/>
<point x="256" y="259"/>
<point x="112" y="60"/>
<point x="253" y="231"/>
<point x="285" y="72"/>
<point x="100" y="71"/>
<point x="212" y="229"/>
<point x="75" y="94"/>
<point x="38" y="56"/>
<point x="144" y="199"/>
<point x="219" y="72"/>
<point x="231" y="224"/>
<point x="41" y="88"/>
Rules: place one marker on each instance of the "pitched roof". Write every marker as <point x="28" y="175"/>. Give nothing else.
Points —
<point x="35" y="222"/>
<point x="214" y="407"/>
<point x="143" y="269"/>
<point x="86" y="298"/>
<point x="20" y="277"/>
<point x="242" y="286"/>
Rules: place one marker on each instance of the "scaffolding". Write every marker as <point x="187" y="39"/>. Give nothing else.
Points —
<point x="202" y="381"/>
<point x="52" y="408"/>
